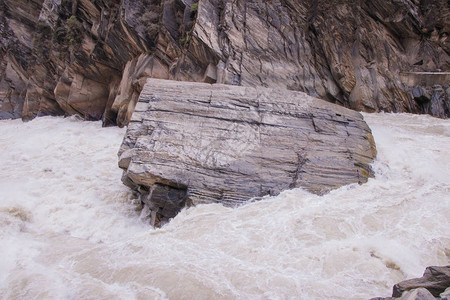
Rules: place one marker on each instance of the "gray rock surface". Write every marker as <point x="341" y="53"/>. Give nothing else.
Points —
<point x="201" y="143"/>
<point x="71" y="57"/>
<point x="417" y="294"/>
<point x="430" y="90"/>
<point x="434" y="279"/>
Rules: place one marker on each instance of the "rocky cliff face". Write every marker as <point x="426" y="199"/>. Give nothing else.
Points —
<point x="69" y="56"/>
<point x="91" y="57"/>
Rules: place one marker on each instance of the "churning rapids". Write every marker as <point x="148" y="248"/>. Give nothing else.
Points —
<point x="69" y="229"/>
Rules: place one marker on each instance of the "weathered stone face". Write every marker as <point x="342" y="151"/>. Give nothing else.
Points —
<point x="68" y="57"/>
<point x="352" y="53"/>
<point x="228" y="144"/>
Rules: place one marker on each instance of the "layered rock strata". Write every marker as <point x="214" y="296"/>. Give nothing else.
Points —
<point x="191" y="143"/>
<point x="91" y="57"/>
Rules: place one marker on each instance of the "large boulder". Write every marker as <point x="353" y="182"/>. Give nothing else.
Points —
<point x="191" y="143"/>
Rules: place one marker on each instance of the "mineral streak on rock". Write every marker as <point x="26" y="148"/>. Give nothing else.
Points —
<point x="201" y="143"/>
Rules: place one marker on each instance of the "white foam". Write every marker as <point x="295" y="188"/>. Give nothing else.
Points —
<point x="69" y="229"/>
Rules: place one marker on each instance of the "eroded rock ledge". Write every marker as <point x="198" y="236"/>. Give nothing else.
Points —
<point x="191" y="143"/>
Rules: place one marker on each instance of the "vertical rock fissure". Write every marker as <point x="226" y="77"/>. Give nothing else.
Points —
<point x="301" y="160"/>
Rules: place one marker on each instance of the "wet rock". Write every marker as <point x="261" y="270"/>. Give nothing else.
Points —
<point x="435" y="279"/>
<point x="201" y="143"/>
<point x="417" y="294"/>
<point x="164" y="200"/>
<point x="6" y="115"/>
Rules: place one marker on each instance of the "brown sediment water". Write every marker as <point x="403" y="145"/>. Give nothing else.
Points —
<point x="69" y="229"/>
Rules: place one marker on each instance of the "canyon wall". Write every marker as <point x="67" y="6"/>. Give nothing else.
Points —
<point x="92" y="57"/>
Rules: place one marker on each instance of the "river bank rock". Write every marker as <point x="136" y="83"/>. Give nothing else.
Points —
<point x="434" y="279"/>
<point x="192" y="143"/>
<point x="434" y="284"/>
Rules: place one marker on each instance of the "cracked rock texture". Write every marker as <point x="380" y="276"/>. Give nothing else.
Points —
<point x="190" y="143"/>
<point x="91" y="57"/>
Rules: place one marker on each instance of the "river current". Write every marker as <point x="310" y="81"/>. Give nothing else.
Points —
<point x="69" y="229"/>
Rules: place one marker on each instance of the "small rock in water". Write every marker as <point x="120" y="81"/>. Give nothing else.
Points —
<point x="435" y="279"/>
